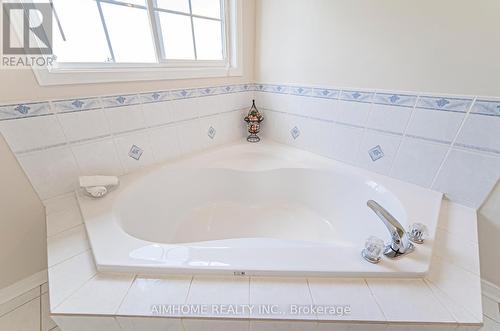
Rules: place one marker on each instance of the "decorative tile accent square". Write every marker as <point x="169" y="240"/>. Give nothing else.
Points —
<point x="376" y="153"/>
<point x="212" y="132"/>
<point x="295" y="132"/>
<point x="135" y="152"/>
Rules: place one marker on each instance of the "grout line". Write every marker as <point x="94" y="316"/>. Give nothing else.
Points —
<point x="404" y="135"/>
<point x="125" y="296"/>
<point x="40" y="317"/>
<point x="450" y="148"/>
<point x="379" y="305"/>
<point x="17" y="307"/>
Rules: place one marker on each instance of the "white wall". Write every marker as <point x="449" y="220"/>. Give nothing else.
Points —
<point x="22" y="223"/>
<point x="445" y="46"/>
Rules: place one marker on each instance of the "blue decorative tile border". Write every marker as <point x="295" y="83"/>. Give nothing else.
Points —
<point x="485" y="107"/>
<point x="24" y="110"/>
<point x="358" y="96"/>
<point x="401" y="100"/>
<point x="153" y="97"/>
<point x="326" y="93"/>
<point x="120" y="100"/>
<point x="443" y="103"/>
<point x="67" y="106"/>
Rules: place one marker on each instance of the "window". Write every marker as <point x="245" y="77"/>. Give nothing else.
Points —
<point x="138" y="31"/>
<point x="126" y="40"/>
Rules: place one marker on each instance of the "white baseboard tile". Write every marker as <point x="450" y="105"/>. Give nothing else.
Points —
<point x="491" y="290"/>
<point x="22" y="286"/>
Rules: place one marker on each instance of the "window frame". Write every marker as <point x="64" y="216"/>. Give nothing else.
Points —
<point x="231" y="65"/>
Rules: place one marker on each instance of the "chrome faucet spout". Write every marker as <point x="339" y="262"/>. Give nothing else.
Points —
<point x="400" y="243"/>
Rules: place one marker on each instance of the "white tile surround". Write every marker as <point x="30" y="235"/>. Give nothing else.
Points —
<point x="57" y="141"/>
<point x="83" y="299"/>
<point x="446" y="143"/>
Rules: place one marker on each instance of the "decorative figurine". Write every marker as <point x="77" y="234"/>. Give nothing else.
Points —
<point x="253" y="119"/>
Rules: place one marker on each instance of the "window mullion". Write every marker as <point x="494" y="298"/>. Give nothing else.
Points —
<point x="101" y="14"/>
<point x="192" y="30"/>
<point x="157" y="36"/>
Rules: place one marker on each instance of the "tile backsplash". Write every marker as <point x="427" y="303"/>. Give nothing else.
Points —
<point x="57" y="141"/>
<point x="447" y="143"/>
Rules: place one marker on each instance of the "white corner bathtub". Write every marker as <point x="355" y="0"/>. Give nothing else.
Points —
<point x="257" y="209"/>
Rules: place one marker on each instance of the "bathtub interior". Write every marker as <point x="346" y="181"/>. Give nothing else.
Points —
<point x="183" y="206"/>
<point x="283" y="212"/>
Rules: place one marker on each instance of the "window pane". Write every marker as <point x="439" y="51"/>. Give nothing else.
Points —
<point x="177" y="36"/>
<point x="208" y="38"/>
<point x="130" y="33"/>
<point x="208" y="8"/>
<point x="176" y="5"/>
<point x="82" y="27"/>
<point x="135" y="2"/>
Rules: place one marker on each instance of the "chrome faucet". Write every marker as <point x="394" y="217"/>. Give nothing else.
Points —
<point x="400" y="243"/>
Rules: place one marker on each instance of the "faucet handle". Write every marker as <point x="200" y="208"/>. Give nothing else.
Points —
<point x="417" y="232"/>
<point x="373" y="249"/>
